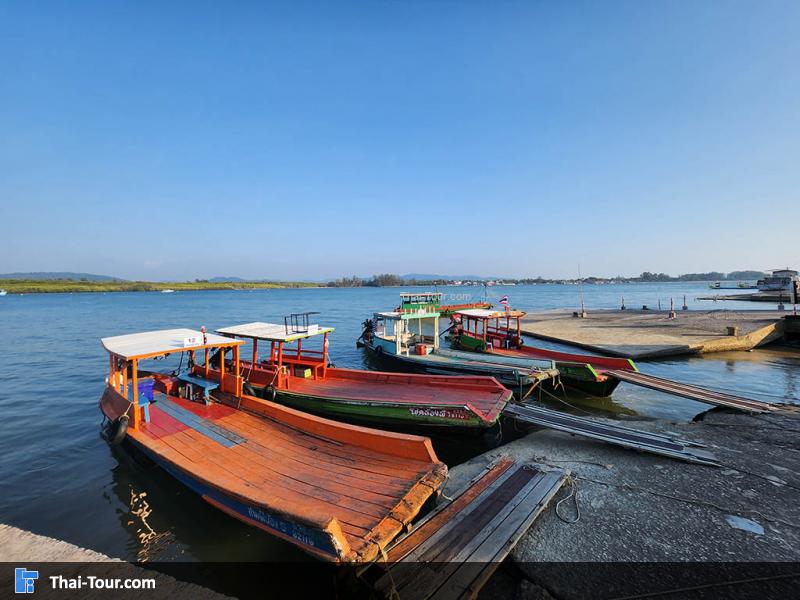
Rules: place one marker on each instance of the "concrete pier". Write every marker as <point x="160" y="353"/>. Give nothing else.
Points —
<point x="640" y="507"/>
<point x="642" y="334"/>
<point x="30" y="550"/>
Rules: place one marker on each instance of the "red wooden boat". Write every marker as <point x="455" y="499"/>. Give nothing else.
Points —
<point x="341" y="492"/>
<point x="299" y="376"/>
<point x="498" y="332"/>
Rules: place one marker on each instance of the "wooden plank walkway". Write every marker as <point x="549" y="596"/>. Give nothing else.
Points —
<point x="693" y="392"/>
<point x="618" y="435"/>
<point x="454" y="551"/>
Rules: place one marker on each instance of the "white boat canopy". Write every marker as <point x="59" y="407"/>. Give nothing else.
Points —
<point x="482" y="313"/>
<point x="274" y="332"/>
<point x="156" y="343"/>
<point x="393" y="315"/>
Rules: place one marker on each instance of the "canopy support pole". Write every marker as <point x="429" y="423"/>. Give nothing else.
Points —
<point x="237" y="371"/>
<point x="134" y="384"/>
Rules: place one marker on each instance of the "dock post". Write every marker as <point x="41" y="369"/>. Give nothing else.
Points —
<point x="659" y="304"/>
<point x="623" y="304"/>
<point x="672" y="314"/>
<point x="684" y="307"/>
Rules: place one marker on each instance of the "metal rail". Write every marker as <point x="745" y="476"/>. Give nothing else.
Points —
<point x="692" y="392"/>
<point x="613" y="434"/>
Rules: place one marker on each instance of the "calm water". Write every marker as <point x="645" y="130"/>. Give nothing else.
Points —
<point x="58" y="478"/>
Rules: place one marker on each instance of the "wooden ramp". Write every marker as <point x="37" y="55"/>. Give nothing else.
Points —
<point x="692" y="392"/>
<point x="455" y="549"/>
<point x="627" y="437"/>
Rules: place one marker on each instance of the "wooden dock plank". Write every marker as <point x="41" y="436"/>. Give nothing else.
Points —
<point x="693" y="392"/>
<point x="439" y="562"/>
<point x="437" y="519"/>
<point x="612" y="433"/>
<point x="474" y="571"/>
<point x="458" y="559"/>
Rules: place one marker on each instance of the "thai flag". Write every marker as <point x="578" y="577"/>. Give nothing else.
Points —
<point x="504" y="300"/>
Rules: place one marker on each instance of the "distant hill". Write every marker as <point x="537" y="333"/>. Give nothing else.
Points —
<point x="42" y="275"/>
<point x="432" y="277"/>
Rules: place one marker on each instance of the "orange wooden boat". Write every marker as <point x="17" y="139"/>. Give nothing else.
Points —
<point x="340" y="492"/>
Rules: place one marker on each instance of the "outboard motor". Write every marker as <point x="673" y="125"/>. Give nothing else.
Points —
<point x="369" y="331"/>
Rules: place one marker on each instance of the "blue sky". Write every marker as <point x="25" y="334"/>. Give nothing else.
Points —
<point x="294" y="140"/>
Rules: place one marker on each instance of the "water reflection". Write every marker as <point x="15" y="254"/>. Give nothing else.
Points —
<point x="150" y="541"/>
<point x="166" y="521"/>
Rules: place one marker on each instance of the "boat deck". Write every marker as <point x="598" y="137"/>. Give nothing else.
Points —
<point x="598" y="362"/>
<point x="497" y="358"/>
<point x="474" y="359"/>
<point x="291" y="471"/>
<point x="484" y="395"/>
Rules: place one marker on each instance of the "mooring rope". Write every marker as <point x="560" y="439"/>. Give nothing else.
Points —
<point x="573" y="492"/>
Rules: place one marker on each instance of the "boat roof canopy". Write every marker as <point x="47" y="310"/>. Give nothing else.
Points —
<point x="273" y="332"/>
<point x="405" y="295"/>
<point x="482" y="313"/>
<point x="394" y="315"/>
<point x="166" y="341"/>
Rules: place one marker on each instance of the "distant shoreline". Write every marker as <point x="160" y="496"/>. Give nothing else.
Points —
<point x="55" y="286"/>
<point x="70" y="286"/>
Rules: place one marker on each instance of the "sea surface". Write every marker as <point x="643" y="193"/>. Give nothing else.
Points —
<point x="59" y="478"/>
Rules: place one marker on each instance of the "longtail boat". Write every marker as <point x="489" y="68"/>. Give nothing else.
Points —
<point x="408" y="339"/>
<point x="295" y="374"/>
<point x="340" y="492"/>
<point x="497" y="333"/>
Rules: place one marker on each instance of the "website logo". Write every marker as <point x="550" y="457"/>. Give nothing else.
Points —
<point x="23" y="580"/>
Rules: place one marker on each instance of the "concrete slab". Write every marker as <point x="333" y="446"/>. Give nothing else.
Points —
<point x="641" y="334"/>
<point x="642" y="508"/>
<point x="28" y="549"/>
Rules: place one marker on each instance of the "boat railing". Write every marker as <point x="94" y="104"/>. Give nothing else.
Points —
<point x="309" y="355"/>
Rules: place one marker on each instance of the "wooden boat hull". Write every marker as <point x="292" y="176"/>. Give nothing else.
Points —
<point x="337" y="491"/>
<point x="312" y="540"/>
<point x="577" y="371"/>
<point x="512" y="378"/>
<point x="414" y="402"/>
<point x="386" y="414"/>
<point x="585" y="379"/>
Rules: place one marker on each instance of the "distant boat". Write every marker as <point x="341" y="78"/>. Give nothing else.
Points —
<point x="742" y="285"/>
<point x="168" y="291"/>
<point x="781" y="280"/>
<point x="3" y="292"/>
